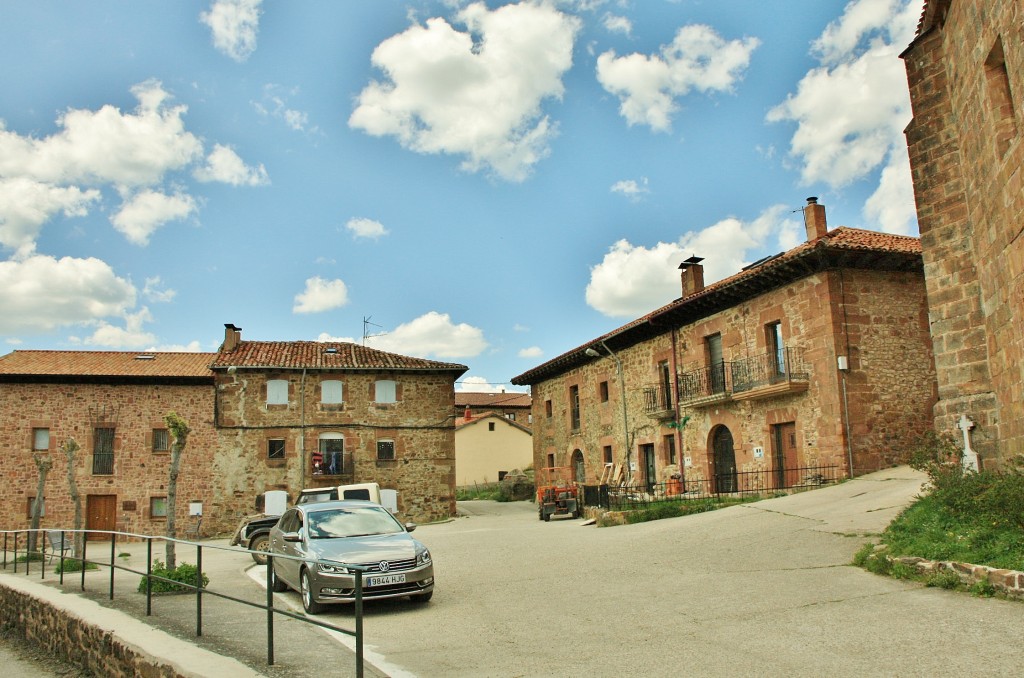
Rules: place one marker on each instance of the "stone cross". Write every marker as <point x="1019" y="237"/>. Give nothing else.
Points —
<point x="970" y="460"/>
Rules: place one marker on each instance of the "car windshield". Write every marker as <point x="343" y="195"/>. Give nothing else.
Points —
<point x="351" y="522"/>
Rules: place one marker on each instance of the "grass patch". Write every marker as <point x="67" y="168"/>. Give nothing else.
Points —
<point x="71" y="565"/>
<point x="184" y="574"/>
<point x="30" y="557"/>
<point x="676" y="509"/>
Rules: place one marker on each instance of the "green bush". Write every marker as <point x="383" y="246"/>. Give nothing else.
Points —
<point x="943" y="579"/>
<point x="72" y="565"/>
<point x="184" y="573"/>
<point x="982" y="589"/>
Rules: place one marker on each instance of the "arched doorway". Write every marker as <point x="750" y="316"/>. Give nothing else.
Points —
<point x="723" y="459"/>
<point x="579" y="471"/>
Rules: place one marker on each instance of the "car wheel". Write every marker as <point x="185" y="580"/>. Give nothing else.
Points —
<point x="277" y="585"/>
<point x="547" y="517"/>
<point x="423" y="597"/>
<point x="260" y="543"/>
<point x="308" y="604"/>
<point x="540" y="514"/>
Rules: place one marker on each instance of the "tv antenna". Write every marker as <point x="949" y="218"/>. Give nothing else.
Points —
<point x="366" y="330"/>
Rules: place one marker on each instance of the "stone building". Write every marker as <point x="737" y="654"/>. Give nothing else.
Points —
<point x="816" y="357"/>
<point x="263" y="416"/>
<point x="965" y="70"/>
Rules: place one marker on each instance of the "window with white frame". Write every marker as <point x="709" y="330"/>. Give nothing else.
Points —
<point x="277" y="391"/>
<point x="331" y="392"/>
<point x="385" y="391"/>
<point x="329" y="459"/>
<point x="40" y="439"/>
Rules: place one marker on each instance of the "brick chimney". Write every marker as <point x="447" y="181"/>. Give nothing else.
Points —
<point x="814" y="219"/>
<point x="232" y="337"/>
<point x="692" y="275"/>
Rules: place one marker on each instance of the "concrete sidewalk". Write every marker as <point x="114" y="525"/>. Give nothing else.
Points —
<point x="234" y="635"/>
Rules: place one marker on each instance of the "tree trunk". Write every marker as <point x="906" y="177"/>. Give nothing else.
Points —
<point x="43" y="464"/>
<point x="70" y="449"/>
<point x="179" y="432"/>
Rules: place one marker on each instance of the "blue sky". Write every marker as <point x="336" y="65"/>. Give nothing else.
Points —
<point x="487" y="183"/>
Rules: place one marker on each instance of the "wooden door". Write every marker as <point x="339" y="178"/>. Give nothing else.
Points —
<point x="100" y="514"/>
<point x="784" y="455"/>
<point x="724" y="459"/>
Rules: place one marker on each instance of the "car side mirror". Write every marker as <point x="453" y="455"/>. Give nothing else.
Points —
<point x="409" y="527"/>
<point x="291" y="536"/>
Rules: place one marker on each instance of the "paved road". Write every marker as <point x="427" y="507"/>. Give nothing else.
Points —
<point x="759" y="589"/>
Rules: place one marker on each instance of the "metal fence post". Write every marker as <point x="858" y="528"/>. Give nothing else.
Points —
<point x="359" y="623"/>
<point x="199" y="590"/>
<point x="270" y="611"/>
<point x="149" y="576"/>
<point x="85" y="540"/>
<point x="113" y="546"/>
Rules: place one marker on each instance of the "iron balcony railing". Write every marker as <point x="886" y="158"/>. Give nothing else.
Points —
<point x="708" y="382"/>
<point x="103" y="463"/>
<point x="657" y="398"/>
<point x="784" y="365"/>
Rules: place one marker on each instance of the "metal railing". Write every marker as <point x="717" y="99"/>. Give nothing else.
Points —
<point x="706" y="382"/>
<point x="11" y="545"/>
<point x="718" y="487"/>
<point x="785" y="365"/>
<point x="657" y="398"/>
<point x="102" y="463"/>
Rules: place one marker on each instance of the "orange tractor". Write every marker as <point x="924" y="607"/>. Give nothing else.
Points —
<point x="557" y="494"/>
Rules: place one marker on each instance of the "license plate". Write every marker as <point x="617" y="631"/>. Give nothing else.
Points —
<point x="385" y="580"/>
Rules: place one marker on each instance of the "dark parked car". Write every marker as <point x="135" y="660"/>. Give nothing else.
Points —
<point x="348" y="533"/>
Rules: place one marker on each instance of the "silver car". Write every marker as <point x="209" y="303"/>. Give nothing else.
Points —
<point x="347" y="533"/>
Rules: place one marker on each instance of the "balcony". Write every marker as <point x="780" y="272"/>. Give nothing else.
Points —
<point x="764" y="376"/>
<point x="770" y="375"/>
<point x="706" y="386"/>
<point x="658" y="402"/>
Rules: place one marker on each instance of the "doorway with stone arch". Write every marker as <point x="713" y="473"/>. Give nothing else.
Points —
<point x="723" y="460"/>
<point x="579" y="470"/>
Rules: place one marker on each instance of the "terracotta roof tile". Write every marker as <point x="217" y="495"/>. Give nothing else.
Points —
<point x="473" y="399"/>
<point x="323" y="356"/>
<point x="106" y="364"/>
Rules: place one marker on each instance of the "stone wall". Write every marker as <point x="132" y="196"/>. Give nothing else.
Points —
<point x="967" y="91"/>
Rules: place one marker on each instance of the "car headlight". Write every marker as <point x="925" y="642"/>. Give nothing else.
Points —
<point x="423" y="558"/>
<point x="333" y="569"/>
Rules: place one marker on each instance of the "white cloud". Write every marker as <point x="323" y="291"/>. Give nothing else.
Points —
<point x="647" y="86"/>
<point x="631" y="188"/>
<point x="224" y="165"/>
<point x="476" y="93"/>
<point x="432" y="334"/>
<point x="42" y="293"/>
<point x="531" y="352"/>
<point x="321" y="295"/>
<point x="152" y="291"/>
<point x="128" y="337"/>
<point x="234" y="24"/>
<point x="617" y="24"/>
<point x="366" y="228"/>
<point x="146" y="211"/>
<point x="275" y="105"/>
<point x="481" y="385"/>
<point x="27" y="204"/>
<point x="850" y="112"/>
<point x="633" y="280"/>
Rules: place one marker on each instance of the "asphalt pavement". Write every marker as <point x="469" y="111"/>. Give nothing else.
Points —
<point x="761" y="589"/>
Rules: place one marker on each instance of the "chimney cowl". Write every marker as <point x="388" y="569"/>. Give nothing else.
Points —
<point x="692" y="275"/>
<point x="814" y="219"/>
<point x="232" y="337"/>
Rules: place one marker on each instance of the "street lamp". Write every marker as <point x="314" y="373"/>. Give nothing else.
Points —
<point x="594" y="353"/>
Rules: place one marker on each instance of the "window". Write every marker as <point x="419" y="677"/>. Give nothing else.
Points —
<point x="384" y="391"/>
<point x="574" y="406"/>
<point x="42" y="508"/>
<point x="776" y="348"/>
<point x="277" y="391"/>
<point x="670" y="448"/>
<point x="716" y="365"/>
<point x="1000" y="98"/>
<point x="511" y="416"/>
<point x="490" y="426"/>
<point x="385" y="450"/>
<point x="331" y="392"/>
<point x="158" y="507"/>
<point x="607" y="454"/>
<point x="103" y="451"/>
<point x="602" y="391"/>
<point x="161" y="440"/>
<point x="40" y="438"/>
<point x="329" y="458"/>
<point x="551" y="460"/>
<point x="547" y="408"/>
<point x="665" y="371"/>
<point x="275" y="448"/>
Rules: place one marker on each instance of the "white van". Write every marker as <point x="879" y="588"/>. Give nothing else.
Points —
<point x="364" y="491"/>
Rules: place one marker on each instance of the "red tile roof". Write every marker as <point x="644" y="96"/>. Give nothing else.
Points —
<point x="462" y="422"/>
<point x="106" y="364"/>
<point x="323" y="356"/>
<point x="473" y="399"/>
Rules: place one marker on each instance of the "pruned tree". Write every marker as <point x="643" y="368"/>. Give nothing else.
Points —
<point x="70" y="449"/>
<point x="43" y="464"/>
<point x="179" y="431"/>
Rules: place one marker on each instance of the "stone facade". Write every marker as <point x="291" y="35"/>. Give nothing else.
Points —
<point x="826" y="349"/>
<point x="258" y="421"/>
<point x="966" y="75"/>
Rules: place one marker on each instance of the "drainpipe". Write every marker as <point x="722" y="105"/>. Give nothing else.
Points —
<point x="302" y="433"/>
<point x="675" y="410"/>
